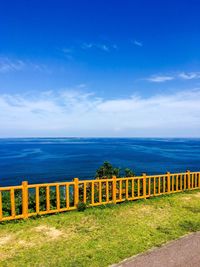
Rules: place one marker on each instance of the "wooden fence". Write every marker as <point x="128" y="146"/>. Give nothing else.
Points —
<point x="26" y="200"/>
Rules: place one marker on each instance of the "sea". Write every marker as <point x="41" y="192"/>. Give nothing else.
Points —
<point x="41" y="160"/>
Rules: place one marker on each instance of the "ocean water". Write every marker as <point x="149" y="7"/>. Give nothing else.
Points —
<point x="40" y="160"/>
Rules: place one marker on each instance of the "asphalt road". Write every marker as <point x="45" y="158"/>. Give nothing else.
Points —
<point x="184" y="252"/>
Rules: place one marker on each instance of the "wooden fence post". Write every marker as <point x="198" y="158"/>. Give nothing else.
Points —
<point x="76" y="191"/>
<point x="144" y="185"/>
<point x="1" y="207"/>
<point x="25" y="199"/>
<point x="188" y="176"/>
<point x="114" y="189"/>
<point x="168" y="182"/>
<point x="198" y="180"/>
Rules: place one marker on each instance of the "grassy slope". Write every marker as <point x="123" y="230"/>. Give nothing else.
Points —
<point x="99" y="236"/>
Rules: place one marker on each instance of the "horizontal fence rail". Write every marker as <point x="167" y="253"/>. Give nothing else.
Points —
<point x="23" y="201"/>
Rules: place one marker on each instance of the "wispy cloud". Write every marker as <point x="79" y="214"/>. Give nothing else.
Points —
<point x="73" y="113"/>
<point x="174" y="76"/>
<point x="160" y="78"/>
<point x="137" y="43"/>
<point x="87" y="45"/>
<point x="38" y="67"/>
<point x="115" y="46"/>
<point x="189" y="75"/>
<point x="100" y="46"/>
<point x="103" y="47"/>
<point x="68" y="52"/>
<point x="8" y="65"/>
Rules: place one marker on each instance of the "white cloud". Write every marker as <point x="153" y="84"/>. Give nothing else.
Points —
<point x="68" y="53"/>
<point x="160" y="78"/>
<point x="103" y="47"/>
<point x="115" y="46"/>
<point x="8" y="65"/>
<point x="100" y="46"/>
<point x="72" y="113"/>
<point x="189" y="75"/>
<point x="174" y="76"/>
<point x="67" y="50"/>
<point x="137" y="43"/>
<point x="87" y="45"/>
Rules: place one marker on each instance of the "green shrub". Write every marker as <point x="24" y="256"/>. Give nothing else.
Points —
<point x="128" y="172"/>
<point x="107" y="171"/>
<point x="81" y="206"/>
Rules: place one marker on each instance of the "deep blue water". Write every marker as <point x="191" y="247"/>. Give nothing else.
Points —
<point x="60" y="159"/>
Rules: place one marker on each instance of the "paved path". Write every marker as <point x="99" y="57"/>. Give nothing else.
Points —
<point x="184" y="252"/>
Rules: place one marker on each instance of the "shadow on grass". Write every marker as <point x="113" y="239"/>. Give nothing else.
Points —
<point x="193" y="209"/>
<point x="190" y="226"/>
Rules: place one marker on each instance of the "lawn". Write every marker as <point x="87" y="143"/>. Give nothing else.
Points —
<point x="99" y="236"/>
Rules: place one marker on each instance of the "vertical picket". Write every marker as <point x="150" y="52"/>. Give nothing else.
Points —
<point x="107" y="191"/>
<point x="1" y="206"/>
<point x="76" y="191"/>
<point x="188" y="177"/>
<point x="25" y="199"/>
<point x="12" y="202"/>
<point x="48" y="198"/>
<point x="92" y="193"/>
<point x="67" y="195"/>
<point x="85" y="193"/>
<point x="144" y="185"/>
<point x="127" y="195"/>
<point x="100" y="192"/>
<point x="168" y="182"/>
<point x="114" y="189"/>
<point x="37" y="199"/>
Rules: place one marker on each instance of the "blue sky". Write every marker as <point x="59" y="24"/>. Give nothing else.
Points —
<point x="100" y="68"/>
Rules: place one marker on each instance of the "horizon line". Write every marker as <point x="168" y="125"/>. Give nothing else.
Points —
<point x="110" y="137"/>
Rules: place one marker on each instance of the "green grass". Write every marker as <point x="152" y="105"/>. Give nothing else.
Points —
<point x="99" y="236"/>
